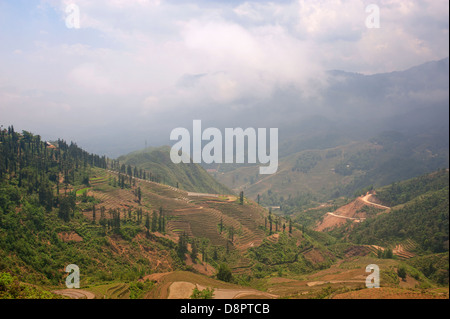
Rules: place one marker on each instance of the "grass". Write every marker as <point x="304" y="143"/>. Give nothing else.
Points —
<point x="82" y="190"/>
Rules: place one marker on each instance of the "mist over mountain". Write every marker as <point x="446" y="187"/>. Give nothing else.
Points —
<point x="360" y="106"/>
<point x="341" y="107"/>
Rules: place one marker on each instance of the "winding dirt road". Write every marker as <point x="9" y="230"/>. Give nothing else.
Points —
<point x="358" y="220"/>
<point x="365" y="199"/>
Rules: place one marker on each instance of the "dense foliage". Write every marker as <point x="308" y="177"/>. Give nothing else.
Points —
<point x="425" y="220"/>
<point x="42" y="194"/>
<point x="402" y="192"/>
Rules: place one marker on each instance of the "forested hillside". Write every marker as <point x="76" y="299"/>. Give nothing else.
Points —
<point x="424" y="217"/>
<point x="120" y="224"/>
<point x="188" y="176"/>
<point x="43" y="224"/>
<point x="322" y="173"/>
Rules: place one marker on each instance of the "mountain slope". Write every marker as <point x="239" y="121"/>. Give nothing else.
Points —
<point x="60" y="205"/>
<point x="313" y="176"/>
<point x="421" y="215"/>
<point x="188" y="176"/>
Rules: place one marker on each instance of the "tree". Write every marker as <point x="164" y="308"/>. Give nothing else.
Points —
<point x="93" y="213"/>
<point x="270" y="221"/>
<point x="401" y="272"/>
<point x="204" y="243"/>
<point x="194" y="250"/>
<point x="182" y="246"/>
<point x="231" y="233"/>
<point x="207" y="293"/>
<point x="154" y="222"/>
<point x="388" y="254"/>
<point x="139" y="194"/>
<point x="160" y="220"/>
<point x="241" y="198"/>
<point x="224" y="273"/>
<point x="46" y="196"/>
<point x="147" y="223"/>
<point x="66" y="207"/>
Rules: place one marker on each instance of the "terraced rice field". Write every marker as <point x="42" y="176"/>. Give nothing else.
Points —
<point x="195" y="214"/>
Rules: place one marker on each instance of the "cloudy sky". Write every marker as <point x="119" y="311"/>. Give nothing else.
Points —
<point x="136" y="69"/>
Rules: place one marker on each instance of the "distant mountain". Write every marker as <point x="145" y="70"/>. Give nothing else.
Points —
<point x="354" y="106"/>
<point x="367" y="130"/>
<point x="191" y="177"/>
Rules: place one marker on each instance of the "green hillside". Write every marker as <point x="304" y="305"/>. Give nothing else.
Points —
<point x="188" y="176"/>
<point x="121" y="224"/>
<point x="423" y="216"/>
<point x="322" y="173"/>
<point x="43" y="226"/>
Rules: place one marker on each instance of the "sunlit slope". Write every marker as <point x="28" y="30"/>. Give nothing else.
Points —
<point x="189" y="176"/>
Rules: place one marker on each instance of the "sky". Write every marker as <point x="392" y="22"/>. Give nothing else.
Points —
<point x="136" y="69"/>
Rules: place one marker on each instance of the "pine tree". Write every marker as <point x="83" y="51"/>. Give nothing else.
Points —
<point x="147" y="223"/>
<point x="154" y="222"/>
<point x="270" y="221"/>
<point x="231" y="233"/>
<point x="139" y="194"/>
<point x="160" y="220"/>
<point x="182" y="246"/>
<point x="194" y="250"/>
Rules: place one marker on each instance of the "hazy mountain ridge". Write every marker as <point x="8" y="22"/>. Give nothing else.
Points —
<point x="401" y="117"/>
<point x="360" y="106"/>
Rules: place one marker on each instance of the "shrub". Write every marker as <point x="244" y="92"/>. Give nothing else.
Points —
<point x="224" y="273"/>
<point x="202" y="294"/>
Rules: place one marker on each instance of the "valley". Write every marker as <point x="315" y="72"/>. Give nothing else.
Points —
<point x="134" y="236"/>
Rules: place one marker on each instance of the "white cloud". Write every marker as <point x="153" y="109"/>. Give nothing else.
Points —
<point x="132" y="55"/>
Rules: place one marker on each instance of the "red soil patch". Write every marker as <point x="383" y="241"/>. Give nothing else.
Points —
<point x="70" y="236"/>
<point x="343" y="214"/>
<point x="314" y="256"/>
<point x="356" y="251"/>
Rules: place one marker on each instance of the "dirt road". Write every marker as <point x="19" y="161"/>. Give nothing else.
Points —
<point x="358" y="220"/>
<point x="366" y="200"/>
